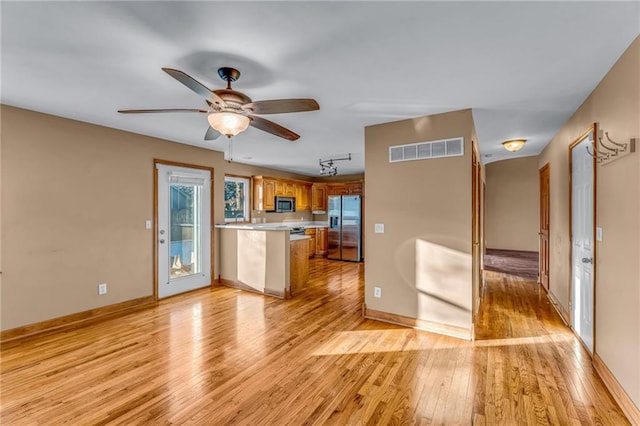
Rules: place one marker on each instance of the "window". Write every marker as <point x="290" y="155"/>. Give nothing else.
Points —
<point x="236" y="199"/>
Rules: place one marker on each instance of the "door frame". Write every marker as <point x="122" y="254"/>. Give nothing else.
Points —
<point x="476" y="233"/>
<point x="593" y="128"/>
<point x="157" y="161"/>
<point x="546" y="169"/>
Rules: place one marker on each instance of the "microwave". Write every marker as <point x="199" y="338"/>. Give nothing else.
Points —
<point x="285" y="204"/>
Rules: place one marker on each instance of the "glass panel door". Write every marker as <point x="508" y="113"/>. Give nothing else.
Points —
<point x="184" y="229"/>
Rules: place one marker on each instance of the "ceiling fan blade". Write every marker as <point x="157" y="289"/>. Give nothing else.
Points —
<point x="195" y="85"/>
<point x="144" y="111"/>
<point x="279" y="106"/>
<point x="273" y="128"/>
<point x="211" y="134"/>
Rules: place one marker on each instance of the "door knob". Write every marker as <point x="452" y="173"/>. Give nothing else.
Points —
<point x="162" y="241"/>
<point x="587" y="260"/>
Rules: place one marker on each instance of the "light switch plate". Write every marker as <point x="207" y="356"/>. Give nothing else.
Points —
<point x="598" y="233"/>
<point x="379" y="228"/>
<point x="147" y="224"/>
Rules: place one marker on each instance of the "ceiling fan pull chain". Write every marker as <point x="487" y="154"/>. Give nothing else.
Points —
<point x="229" y="149"/>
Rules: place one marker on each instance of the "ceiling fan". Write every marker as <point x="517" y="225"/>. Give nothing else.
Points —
<point x="231" y="112"/>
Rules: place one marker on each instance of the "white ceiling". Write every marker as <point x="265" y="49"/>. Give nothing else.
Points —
<point x="523" y="67"/>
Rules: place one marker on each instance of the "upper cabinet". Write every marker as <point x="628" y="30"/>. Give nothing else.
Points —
<point x="289" y="189"/>
<point x="303" y="196"/>
<point x="355" y="188"/>
<point x="265" y="189"/>
<point x="337" y="189"/>
<point x="319" y="197"/>
<point x="308" y="196"/>
<point x="285" y="188"/>
<point x="345" y="188"/>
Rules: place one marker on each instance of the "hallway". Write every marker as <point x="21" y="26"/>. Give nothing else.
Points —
<point x="223" y="356"/>
<point x="536" y="372"/>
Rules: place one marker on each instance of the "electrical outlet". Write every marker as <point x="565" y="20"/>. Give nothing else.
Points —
<point x="102" y="289"/>
<point x="377" y="292"/>
<point x="379" y="228"/>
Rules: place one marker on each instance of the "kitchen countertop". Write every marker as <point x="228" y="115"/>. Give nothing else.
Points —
<point x="273" y="226"/>
<point x="255" y="226"/>
<point x="312" y="224"/>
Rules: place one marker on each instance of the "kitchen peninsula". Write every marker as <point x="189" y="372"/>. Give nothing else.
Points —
<point x="264" y="258"/>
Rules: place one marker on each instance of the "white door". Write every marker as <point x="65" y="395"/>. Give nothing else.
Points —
<point x="184" y="229"/>
<point x="582" y="250"/>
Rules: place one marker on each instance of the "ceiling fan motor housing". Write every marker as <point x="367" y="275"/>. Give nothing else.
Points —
<point x="228" y="73"/>
<point x="232" y="98"/>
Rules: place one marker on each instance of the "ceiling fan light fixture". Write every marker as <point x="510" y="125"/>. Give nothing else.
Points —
<point x="514" y="145"/>
<point x="228" y="123"/>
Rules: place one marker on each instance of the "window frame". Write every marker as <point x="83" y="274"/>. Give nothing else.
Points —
<point x="247" y="203"/>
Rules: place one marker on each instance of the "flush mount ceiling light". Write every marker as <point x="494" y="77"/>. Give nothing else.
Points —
<point x="228" y="123"/>
<point x="514" y="145"/>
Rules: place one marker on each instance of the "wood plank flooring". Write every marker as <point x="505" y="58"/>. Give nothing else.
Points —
<point x="223" y="356"/>
<point x="523" y="264"/>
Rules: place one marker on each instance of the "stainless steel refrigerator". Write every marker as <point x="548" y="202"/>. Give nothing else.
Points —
<point x="345" y="228"/>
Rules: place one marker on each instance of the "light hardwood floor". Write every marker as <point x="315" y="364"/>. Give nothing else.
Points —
<point x="224" y="356"/>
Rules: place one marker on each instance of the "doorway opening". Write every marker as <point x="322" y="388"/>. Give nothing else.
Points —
<point x="545" y="210"/>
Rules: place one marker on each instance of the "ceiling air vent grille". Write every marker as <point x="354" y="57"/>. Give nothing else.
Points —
<point x="424" y="150"/>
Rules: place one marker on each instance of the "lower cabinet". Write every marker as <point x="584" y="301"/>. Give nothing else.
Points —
<point x="311" y="232"/>
<point x="299" y="266"/>
<point x="321" y="242"/>
<point x="317" y="241"/>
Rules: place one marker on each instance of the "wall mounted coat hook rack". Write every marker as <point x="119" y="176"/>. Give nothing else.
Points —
<point x="599" y="156"/>
<point x="623" y="146"/>
<point x="613" y="150"/>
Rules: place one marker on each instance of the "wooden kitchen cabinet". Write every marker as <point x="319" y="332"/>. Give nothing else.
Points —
<point x="285" y="188"/>
<point x="345" y="188"/>
<point x="321" y="242"/>
<point x="311" y="232"/>
<point x="337" y="189"/>
<point x="354" y="188"/>
<point x="289" y="189"/>
<point x="298" y="266"/>
<point x="308" y="196"/>
<point x="303" y="196"/>
<point x="264" y="191"/>
<point x="319" y="196"/>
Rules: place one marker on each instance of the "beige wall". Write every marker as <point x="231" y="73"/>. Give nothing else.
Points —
<point x="75" y="197"/>
<point x="512" y="219"/>
<point x="615" y="105"/>
<point x="422" y="262"/>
